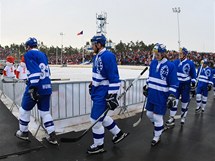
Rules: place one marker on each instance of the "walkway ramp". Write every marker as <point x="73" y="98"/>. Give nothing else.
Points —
<point x="9" y="144"/>
<point x="194" y="141"/>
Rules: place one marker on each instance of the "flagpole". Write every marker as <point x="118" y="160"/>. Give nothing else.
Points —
<point x="83" y="58"/>
<point x="83" y="50"/>
<point x="82" y="42"/>
<point x="61" y="60"/>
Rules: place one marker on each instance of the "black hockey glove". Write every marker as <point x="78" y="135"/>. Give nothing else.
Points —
<point x="193" y="85"/>
<point x="26" y="82"/>
<point x="193" y="92"/>
<point x="171" y="101"/>
<point x="112" y="102"/>
<point x="33" y="93"/>
<point x="193" y="89"/>
<point x="90" y="87"/>
<point x="145" y="90"/>
<point x="209" y="87"/>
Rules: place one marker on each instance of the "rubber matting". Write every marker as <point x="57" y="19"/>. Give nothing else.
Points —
<point x="9" y="144"/>
<point x="194" y="141"/>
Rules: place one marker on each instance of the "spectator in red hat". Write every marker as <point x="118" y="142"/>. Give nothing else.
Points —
<point x="9" y="70"/>
<point x="21" y="72"/>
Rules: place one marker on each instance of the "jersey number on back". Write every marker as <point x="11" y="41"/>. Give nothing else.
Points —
<point x="44" y="71"/>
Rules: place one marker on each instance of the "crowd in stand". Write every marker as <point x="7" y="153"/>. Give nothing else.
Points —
<point x="133" y="58"/>
<point x="144" y="58"/>
<point x="123" y="58"/>
<point x="71" y="59"/>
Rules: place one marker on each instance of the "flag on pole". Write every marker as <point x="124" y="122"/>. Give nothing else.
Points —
<point x="80" y="33"/>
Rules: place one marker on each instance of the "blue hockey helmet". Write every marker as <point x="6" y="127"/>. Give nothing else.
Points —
<point x="99" y="39"/>
<point x="205" y="61"/>
<point x="184" y="50"/>
<point x="159" y="48"/>
<point x="32" y="42"/>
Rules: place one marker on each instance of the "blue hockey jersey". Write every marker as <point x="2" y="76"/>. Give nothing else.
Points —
<point x="105" y="74"/>
<point x="162" y="81"/>
<point x="38" y="71"/>
<point x="105" y="80"/>
<point x="205" y="77"/>
<point x="186" y="71"/>
<point x="214" y="76"/>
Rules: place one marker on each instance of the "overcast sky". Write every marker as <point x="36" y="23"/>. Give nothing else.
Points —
<point x="128" y="20"/>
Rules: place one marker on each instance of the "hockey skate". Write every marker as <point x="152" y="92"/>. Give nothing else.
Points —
<point x="169" y="124"/>
<point x="119" y="137"/>
<point x="198" y="110"/>
<point x="171" y="121"/>
<point x="95" y="149"/>
<point x="203" y="110"/>
<point x="22" y="135"/>
<point x="52" y="139"/>
<point x="155" y="141"/>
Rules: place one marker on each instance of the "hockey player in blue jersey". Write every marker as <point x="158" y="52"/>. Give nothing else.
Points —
<point x="214" y="81"/>
<point x="105" y="85"/>
<point x="186" y="74"/>
<point x="204" y="85"/>
<point x="38" y="92"/>
<point x="161" y="89"/>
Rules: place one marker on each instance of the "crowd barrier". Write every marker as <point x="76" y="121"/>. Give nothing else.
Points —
<point x="70" y="99"/>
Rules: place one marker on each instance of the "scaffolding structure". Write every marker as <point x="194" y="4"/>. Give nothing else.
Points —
<point x="101" y="22"/>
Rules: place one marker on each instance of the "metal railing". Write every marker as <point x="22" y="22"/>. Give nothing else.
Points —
<point x="71" y="99"/>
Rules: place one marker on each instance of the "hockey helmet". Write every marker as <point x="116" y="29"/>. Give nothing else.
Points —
<point x="10" y="59"/>
<point x="184" y="50"/>
<point x="99" y="39"/>
<point x="205" y="61"/>
<point x="159" y="48"/>
<point x="31" y="42"/>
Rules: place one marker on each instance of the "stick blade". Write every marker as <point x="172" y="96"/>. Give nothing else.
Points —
<point x="177" y="116"/>
<point x="137" y="123"/>
<point x="69" y="140"/>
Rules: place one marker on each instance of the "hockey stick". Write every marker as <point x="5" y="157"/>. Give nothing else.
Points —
<point x="24" y="80"/>
<point x="13" y="81"/>
<point x="132" y="83"/>
<point x="67" y="140"/>
<point x="102" y="115"/>
<point x="182" y="115"/>
<point x="141" y="116"/>
<point x="60" y="79"/>
<point x="200" y="70"/>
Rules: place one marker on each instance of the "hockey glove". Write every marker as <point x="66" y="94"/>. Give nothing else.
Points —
<point x="112" y="102"/>
<point x="145" y="90"/>
<point x="193" y="92"/>
<point x="26" y="82"/>
<point x="193" y="85"/>
<point x="193" y="89"/>
<point x="33" y="93"/>
<point x="209" y="87"/>
<point x="171" y="101"/>
<point x="90" y="87"/>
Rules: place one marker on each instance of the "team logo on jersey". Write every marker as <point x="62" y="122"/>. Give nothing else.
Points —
<point x="186" y="68"/>
<point x="164" y="72"/>
<point x="99" y="65"/>
<point x="208" y="72"/>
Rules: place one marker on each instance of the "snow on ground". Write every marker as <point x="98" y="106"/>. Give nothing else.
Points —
<point x="84" y="72"/>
